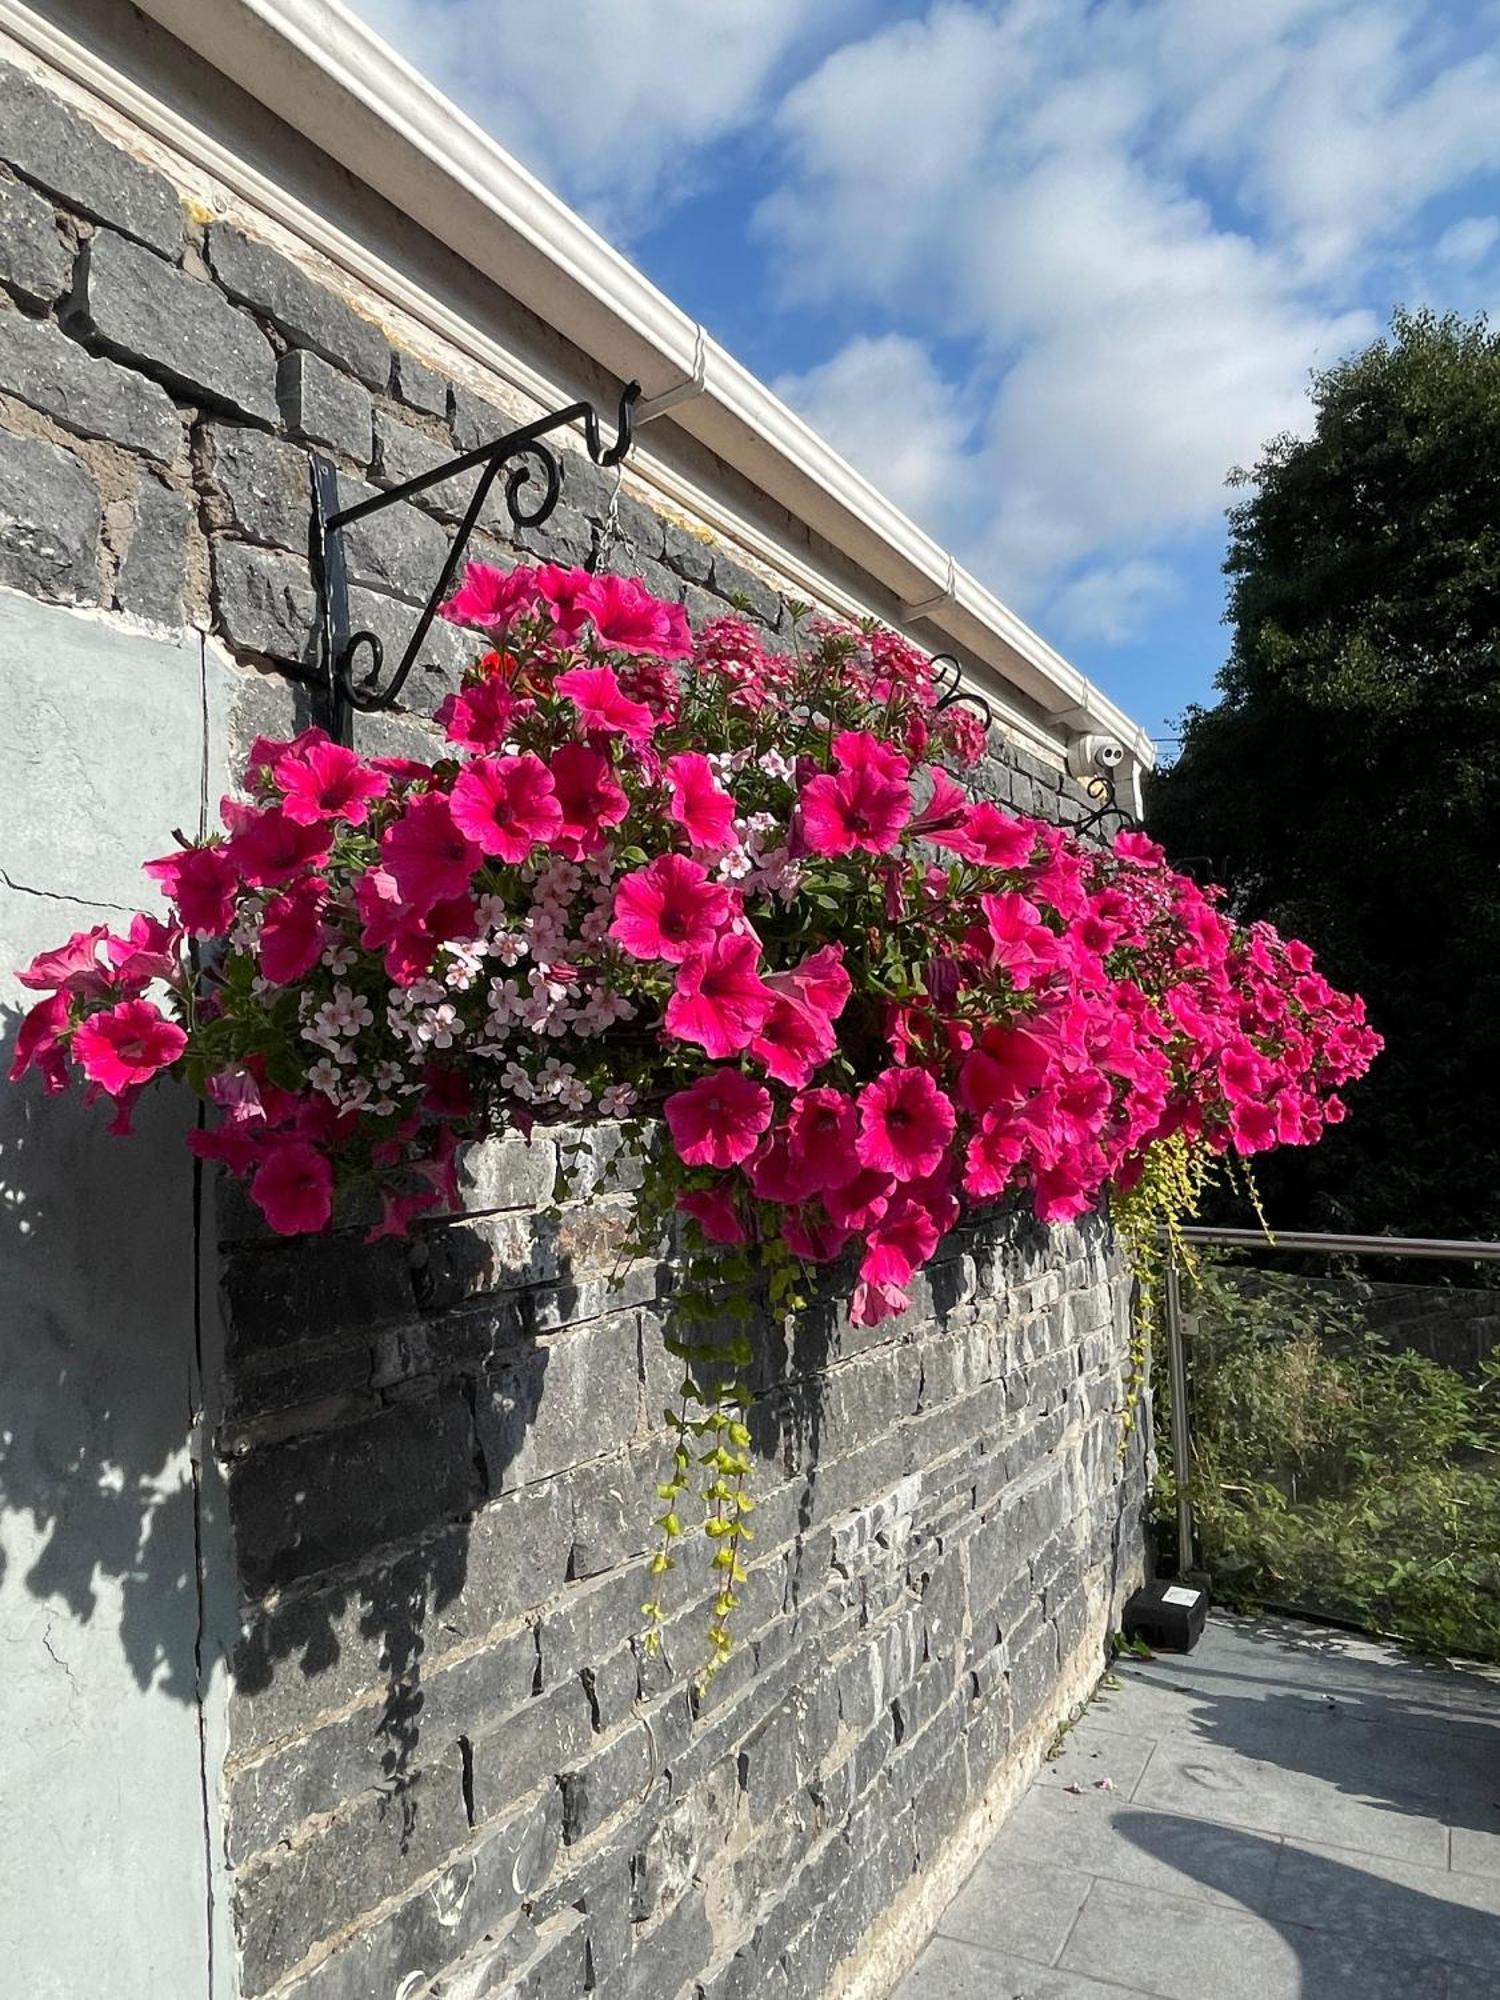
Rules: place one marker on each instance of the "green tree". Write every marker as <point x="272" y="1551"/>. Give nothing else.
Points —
<point x="1347" y="782"/>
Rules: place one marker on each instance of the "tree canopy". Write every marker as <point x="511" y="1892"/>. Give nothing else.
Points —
<point x="1346" y="784"/>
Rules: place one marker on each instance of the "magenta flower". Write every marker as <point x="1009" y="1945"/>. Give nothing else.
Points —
<point x="506" y="805"/>
<point x="569" y="597"/>
<point x="994" y="839"/>
<point x="717" y="1121"/>
<point x="721" y="1002"/>
<point x="813" y="1237"/>
<point x="669" y="909"/>
<point x="291" y="932"/>
<point x="293" y="1188"/>
<point x="821" y="1128"/>
<point x="714" y="1211"/>
<point x="426" y="854"/>
<point x="326" y="781"/>
<point x="905" y="1123"/>
<point x="269" y="846"/>
<point x="591" y="798"/>
<point x="74" y="967"/>
<point x="900" y="1243"/>
<point x="700" y="808"/>
<point x="126" y="1045"/>
<point x="795" y="1039"/>
<point x="491" y="598"/>
<point x="41" y="1043"/>
<point x="860" y="808"/>
<point x="480" y="717"/>
<point x="200" y="882"/>
<point x="628" y="617"/>
<point x="604" y="709"/>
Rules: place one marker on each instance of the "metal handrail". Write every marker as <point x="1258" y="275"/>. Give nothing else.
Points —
<point x="1279" y="1239"/>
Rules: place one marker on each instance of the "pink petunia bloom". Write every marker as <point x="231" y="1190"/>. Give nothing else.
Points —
<point x="813" y="1237"/>
<point x="872" y="1303"/>
<point x="794" y="1040"/>
<point x="293" y="1188"/>
<point x="491" y="598"/>
<point x="900" y="1243"/>
<point x="774" y="1175"/>
<point x="994" y="1153"/>
<point x="700" y="808"/>
<point x="426" y="854"/>
<point x="821" y="1128"/>
<point x="268" y="847"/>
<point x="73" y="967"/>
<point x="945" y="814"/>
<point x="857" y="809"/>
<point x="200" y="882"/>
<point x="604" y="709"/>
<point x="627" y="616"/>
<point x="149" y="950"/>
<point x="717" y="1121"/>
<point x="859" y="1202"/>
<point x="1018" y="938"/>
<point x="126" y="1045"/>
<point x="858" y="750"/>
<point x="480" y="717"/>
<point x="714" y="1211"/>
<point x="994" y="839"/>
<point x="506" y="805"/>
<point x="905" y="1124"/>
<point x="590" y="796"/>
<point x="721" y="1001"/>
<point x="291" y="932"/>
<point x="568" y="595"/>
<point x="40" y="1043"/>
<point x="669" y="909"/>
<point x="326" y="781"/>
<point x="399" y="1210"/>
<point x="821" y="980"/>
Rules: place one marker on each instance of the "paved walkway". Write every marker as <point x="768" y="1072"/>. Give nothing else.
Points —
<point x="1288" y="1813"/>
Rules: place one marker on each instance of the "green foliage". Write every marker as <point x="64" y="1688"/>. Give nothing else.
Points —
<point x="1337" y="1474"/>
<point x="1347" y="784"/>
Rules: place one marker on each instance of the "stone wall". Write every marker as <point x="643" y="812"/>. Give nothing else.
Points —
<point x="450" y="1767"/>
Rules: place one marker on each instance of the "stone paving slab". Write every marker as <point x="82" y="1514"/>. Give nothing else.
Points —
<point x="1288" y="1813"/>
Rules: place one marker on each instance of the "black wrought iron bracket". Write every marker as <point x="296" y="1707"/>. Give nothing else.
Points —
<point x="1102" y="787"/>
<point x="531" y="491"/>
<point x="948" y="678"/>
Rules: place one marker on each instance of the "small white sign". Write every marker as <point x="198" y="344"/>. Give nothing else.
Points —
<point x="1180" y="1594"/>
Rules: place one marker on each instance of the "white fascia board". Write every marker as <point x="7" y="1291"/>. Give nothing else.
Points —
<point x="324" y="73"/>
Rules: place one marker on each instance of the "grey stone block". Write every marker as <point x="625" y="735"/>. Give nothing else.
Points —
<point x="746" y="592"/>
<point x="301" y="1507"/>
<point x="176" y="327"/>
<point x="562" y="1403"/>
<point x="47" y="142"/>
<point x="529" y="1748"/>
<point x="666" y="1959"/>
<point x="42" y="367"/>
<point x="400" y="549"/>
<point x="154" y="572"/>
<point x="35" y="262"/>
<point x="265" y="485"/>
<point x="603" y="1783"/>
<point x="49" y="522"/>
<point x="417" y="385"/>
<point x="403" y="452"/>
<point x="692" y="556"/>
<point x="508" y="1172"/>
<point x="322" y="405"/>
<point x="307" y="312"/>
<point x="263" y="602"/>
<point x="476" y="422"/>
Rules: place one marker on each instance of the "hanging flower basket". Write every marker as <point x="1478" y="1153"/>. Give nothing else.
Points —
<point x="655" y="874"/>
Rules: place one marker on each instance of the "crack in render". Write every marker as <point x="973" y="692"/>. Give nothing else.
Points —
<point x="57" y="1658"/>
<point x="56" y="896"/>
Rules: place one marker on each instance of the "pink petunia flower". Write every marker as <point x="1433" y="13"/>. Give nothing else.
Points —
<point x="859" y="1202"/>
<point x="293" y="1188"/>
<point x="795" y="1039"/>
<point x="774" y="1174"/>
<point x="604" y="709"/>
<point x="721" y="1001"/>
<point x="200" y="882"/>
<point x="291" y="931"/>
<point x="905" y="1124"/>
<point x="900" y="1243"/>
<point x="591" y="798"/>
<point x="491" y="598"/>
<point x="326" y="781"/>
<point x="269" y="846"/>
<point x="715" y="1212"/>
<point x="812" y="1236"/>
<point x="627" y="616"/>
<point x="994" y="839"/>
<point x="481" y="717"/>
<point x="126" y="1045"/>
<point x="426" y="854"/>
<point x="568" y="595"/>
<point x="860" y="808"/>
<point x="700" y="808"/>
<point x="717" y="1121"/>
<point x="506" y="805"/>
<point x="821" y="1128"/>
<point x="41" y="1044"/>
<point x="73" y="967"/>
<point x="669" y="909"/>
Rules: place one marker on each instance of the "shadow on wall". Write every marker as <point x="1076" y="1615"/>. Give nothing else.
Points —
<point x="97" y="1284"/>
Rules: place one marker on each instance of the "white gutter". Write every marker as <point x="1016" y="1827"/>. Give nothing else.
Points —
<point x="321" y="71"/>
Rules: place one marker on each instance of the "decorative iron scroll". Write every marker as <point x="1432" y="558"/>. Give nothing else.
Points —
<point x="532" y="486"/>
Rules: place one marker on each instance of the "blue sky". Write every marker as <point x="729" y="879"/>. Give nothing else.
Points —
<point x="1044" y="269"/>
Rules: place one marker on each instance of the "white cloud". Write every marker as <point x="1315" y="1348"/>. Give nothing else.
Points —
<point x="1469" y="242"/>
<point x="1147" y="222"/>
<point x="610" y="101"/>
